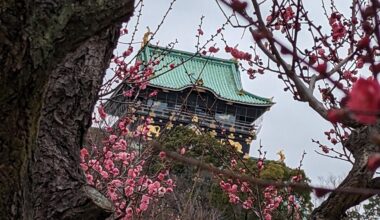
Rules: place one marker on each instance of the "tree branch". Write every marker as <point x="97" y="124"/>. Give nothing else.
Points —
<point x="360" y="145"/>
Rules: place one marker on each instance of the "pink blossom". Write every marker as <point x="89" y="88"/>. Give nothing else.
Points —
<point x="359" y="63"/>
<point x="125" y="157"/>
<point x="182" y="151"/>
<point x="161" y="176"/>
<point x="130" y="182"/>
<point x="335" y="115"/>
<point x="143" y="85"/>
<point x="104" y="174"/>
<point x="128" y="52"/>
<point x="244" y="187"/>
<point x="269" y="19"/>
<point x="112" y="193"/>
<point x="108" y="164"/>
<point x="138" y="168"/>
<point x="120" y="145"/>
<point x="129" y="211"/>
<point x="122" y="205"/>
<point x="260" y="164"/>
<point x="162" y="155"/>
<point x="240" y="55"/>
<point x="128" y="93"/>
<point x="143" y="206"/>
<point x="247" y="204"/>
<point x="338" y="31"/>
<point x="83" y="153"/>
<point x="108" y="154"/>
<point x="84" y="166"/>
<point x="287" y="14"/>
<point x="225" y="186"/>
<point x="278" y="199"/>
<point x="131" y="173"/>
<point x="213" y="49"/>
<point x="268" y="216"/>
<point x="291" y="198"/>
<point x="161" y="191"/>
<point x="90" y="179"/>
<point x="115" y="171"/>
<point x="238" y="5"/>
<point x="145" y="199"/>
<point x="112" y="138"/>
<point x="101" y="112"/>
<point x="233" y="188"/>
<point x="234" y="199"/>
<point x="364" y="42"/>
<point x="154" y="93"/>
<point x="233" y="163"/>
<point x="169" y="182"/>
<point x="116" y="183"/>
<point x="364" y="100"/>
<point x="152" y="188"/>
<point x="128" y="191"/>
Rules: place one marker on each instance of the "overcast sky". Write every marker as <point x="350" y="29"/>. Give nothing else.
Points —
<point x="289" y="125"/>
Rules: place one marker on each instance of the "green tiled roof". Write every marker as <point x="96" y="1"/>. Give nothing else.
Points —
<point x="221" y="77"/>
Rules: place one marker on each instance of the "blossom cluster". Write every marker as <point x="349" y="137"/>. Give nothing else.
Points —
<point x="117" y="169"/>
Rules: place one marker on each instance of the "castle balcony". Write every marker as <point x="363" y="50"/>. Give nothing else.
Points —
<point x="209" y="122"/>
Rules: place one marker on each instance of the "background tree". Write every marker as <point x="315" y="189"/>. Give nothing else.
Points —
<point x="332" y="63"/>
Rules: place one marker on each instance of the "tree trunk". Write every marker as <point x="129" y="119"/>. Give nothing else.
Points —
<point x="66" y="115"/>
<point x="39" y="41"/>
<point x="361" y="146"/>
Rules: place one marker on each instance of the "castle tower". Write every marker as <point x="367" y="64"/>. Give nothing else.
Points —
<point x="202" y="91"/>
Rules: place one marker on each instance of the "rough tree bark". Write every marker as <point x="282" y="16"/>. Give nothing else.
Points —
<point x="360" y="144"/>
<point x="54" y="45"/>
<point x="66" y="115"/>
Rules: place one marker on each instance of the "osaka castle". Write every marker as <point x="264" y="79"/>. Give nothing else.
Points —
<point x="201" y="92"/>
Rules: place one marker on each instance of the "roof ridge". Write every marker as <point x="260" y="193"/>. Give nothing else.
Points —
<point x="148" y="46"/>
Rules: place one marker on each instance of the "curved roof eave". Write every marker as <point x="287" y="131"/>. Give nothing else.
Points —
<point x="216" y="95"/>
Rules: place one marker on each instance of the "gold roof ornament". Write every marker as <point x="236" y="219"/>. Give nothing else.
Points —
<point x="134" y="118"/>
<point x="222" y="141"/>
<point x="246" y="156"/>
<point x="146" y="37"/>
<point x="236" y="145"/>
<point x="194" y="128"/>
<point x="169" y="125"/>
<point x="213" y="133"/>
<point x="212" y="125"/>
<point x="195" y="119"/>
<point x="248" y="140"/>
<point x="252" y="132"/>
<point x="282" y="156"/>
<point x="172" y="117"/>
<point x="199" y="82"/>
<point x="231" y="136"/>
<point x="154" y="130"/>
<point x="241" y="92"/>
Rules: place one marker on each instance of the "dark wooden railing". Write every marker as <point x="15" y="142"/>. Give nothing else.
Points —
<point x="204" y="120"/>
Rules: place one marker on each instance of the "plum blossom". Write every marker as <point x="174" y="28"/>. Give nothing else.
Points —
<point x="364" y="100"/>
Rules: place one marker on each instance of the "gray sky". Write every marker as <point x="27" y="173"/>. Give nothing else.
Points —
<point x="289" y="125"/>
